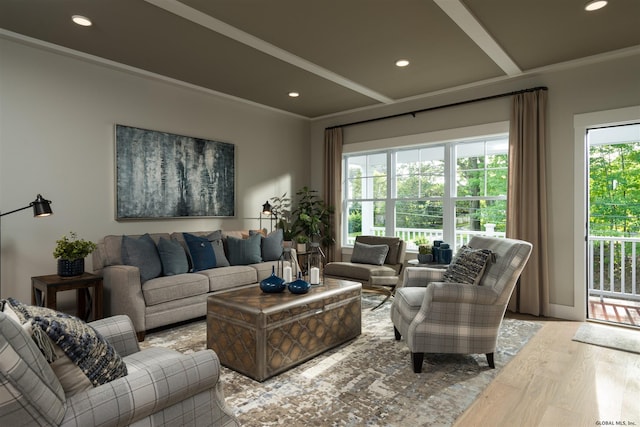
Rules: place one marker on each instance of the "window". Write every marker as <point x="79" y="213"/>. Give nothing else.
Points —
<point x="440" y="191"/>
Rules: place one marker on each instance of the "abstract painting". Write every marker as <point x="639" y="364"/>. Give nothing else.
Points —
<point x="162" y="175"/>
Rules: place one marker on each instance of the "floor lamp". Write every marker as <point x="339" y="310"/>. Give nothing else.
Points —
<point x="41" y="208"/>
<point x="271" y="213"/>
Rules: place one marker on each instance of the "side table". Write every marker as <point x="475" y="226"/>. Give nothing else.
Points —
<point x="415" y="263"/>
<point x="45" y="288"/>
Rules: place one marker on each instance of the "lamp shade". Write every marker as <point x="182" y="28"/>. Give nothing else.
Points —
<point x="266" y="208"/>
<point x="41" y="206"/>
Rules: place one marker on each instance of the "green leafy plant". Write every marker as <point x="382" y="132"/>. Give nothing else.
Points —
<point x="421" y="241"/>
<point x="72" y="248"/>
<point x="281" y="207"/>
<point x="313" y="216"/>
<point x="301" y="238"/>
<point x="424" y="249"/>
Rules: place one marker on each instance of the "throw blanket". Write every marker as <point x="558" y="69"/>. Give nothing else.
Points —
<point x="85" y="346"/>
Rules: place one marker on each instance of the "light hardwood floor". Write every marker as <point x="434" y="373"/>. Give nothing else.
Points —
<point x="554" y="381"/>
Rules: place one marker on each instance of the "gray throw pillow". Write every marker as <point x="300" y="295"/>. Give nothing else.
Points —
<point x="272" y="245"/>
<point x="468" y="266"/>
<point x="244" y="251"/>
<point x="369" y="254"/>
<point x="142" y="253"/>
<point x="218" y="248"/>
<point x="173" y="257"/>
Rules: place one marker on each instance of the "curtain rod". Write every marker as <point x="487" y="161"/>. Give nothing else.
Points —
<point x="455" y="104"/>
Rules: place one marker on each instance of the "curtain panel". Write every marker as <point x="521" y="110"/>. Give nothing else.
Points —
<point x="527" y="198"/>
<point x="333" y="186"/>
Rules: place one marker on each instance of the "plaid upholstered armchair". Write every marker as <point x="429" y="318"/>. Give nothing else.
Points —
<point x="162" y="387"/>
<point x="437" y="315"/>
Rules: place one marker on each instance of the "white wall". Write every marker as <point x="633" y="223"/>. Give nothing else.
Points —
<point x="575" y="90"/>
<point x="57" y="116"/>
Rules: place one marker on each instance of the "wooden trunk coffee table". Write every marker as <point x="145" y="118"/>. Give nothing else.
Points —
<point x="261" y="335"/>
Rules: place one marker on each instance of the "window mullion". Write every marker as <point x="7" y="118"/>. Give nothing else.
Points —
<point x="448" y="207"/>
<point x="390" y="222"/>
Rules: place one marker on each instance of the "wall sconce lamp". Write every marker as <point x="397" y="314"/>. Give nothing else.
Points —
<point x="41" y="207"/>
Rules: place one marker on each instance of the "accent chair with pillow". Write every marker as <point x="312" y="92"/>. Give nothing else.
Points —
<point x="376" y="262"/>
<point x="109" y="381"/>
<point x="459" y="310"/>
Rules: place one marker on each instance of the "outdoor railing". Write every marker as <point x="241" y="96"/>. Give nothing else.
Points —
<point x="613" y="261"/>
<point x="613" y="270"/>
<point x="409" y="235"/>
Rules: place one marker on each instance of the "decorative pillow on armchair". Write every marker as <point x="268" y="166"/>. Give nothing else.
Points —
<point x="468" y="266"/>
<point x="80" y="357"/>
<point x="369" y="254"/>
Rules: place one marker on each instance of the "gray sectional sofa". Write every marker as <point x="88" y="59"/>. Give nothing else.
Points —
<point x="132" y="287"/>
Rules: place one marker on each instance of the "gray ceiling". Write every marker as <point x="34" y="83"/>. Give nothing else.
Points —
<point x="338" y="54"/>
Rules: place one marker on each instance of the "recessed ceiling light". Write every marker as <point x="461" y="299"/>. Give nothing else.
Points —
<point x="402" y="63"/>
<point x="595" y="5"/>
<point x="82" y="20"/>
<point x="294" y="94"/>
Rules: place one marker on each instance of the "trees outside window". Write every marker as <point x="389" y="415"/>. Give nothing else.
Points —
<point x="442" y="190"/>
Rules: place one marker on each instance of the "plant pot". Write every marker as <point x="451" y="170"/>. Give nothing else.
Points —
<point x="301" y="247"/>
<point x="68" y="268"/>
<point x="425" y="258"/>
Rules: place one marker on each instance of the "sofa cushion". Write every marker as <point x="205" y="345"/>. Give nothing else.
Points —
<point x="392" y="242"/>
<point x="200" y="252"/>
<point x="173" y="257"/>
<point x="75" y="350"/>
<point x="244" y="251"/>
<point x="142" y="253"/>
<point x="468" y="266"/>
<point x="369" y="254"/>
<point x="229" y="277"/>
<point x="357" y="271"/>
<point x="171" y="288"/>
<point x="265" y="268"/>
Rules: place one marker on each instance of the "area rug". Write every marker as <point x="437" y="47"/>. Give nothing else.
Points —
<point x="368" y="381"/>
<point x="609" y="336"/>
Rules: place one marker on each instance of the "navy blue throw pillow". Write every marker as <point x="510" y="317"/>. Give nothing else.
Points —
<point x="201" y="252"/>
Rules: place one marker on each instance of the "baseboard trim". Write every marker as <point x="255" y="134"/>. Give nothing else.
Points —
<point x="566" y="312"/>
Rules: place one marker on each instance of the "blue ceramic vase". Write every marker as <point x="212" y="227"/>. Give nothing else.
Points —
<point x="299" y="286"/>
<point x="272" y="284"/>
<point x="445" y="254"/>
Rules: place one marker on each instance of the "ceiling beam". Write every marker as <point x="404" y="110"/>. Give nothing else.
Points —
<point x="470" y="25"/>
<point x="240" y="36"/>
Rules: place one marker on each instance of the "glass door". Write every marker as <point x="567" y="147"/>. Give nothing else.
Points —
<point x="613" y="231"/>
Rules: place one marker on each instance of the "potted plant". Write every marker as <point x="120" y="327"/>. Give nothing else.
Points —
<point x="301" y="241"/>
<point x="281" y="208"/>
<point x="424" y="253"/>
<point x="313" y="217"/>
<point x="70" y="251"/>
